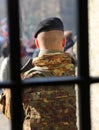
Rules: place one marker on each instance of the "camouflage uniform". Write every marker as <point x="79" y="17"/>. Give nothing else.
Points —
<point x="5" y="103"/>
<point x="51" y="107"/>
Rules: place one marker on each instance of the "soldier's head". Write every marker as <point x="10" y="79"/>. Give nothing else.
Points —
<point x="49" y="34"/>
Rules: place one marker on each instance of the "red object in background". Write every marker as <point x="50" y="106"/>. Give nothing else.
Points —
<point x="33" y="46"/>
<point x="5" y="34"/>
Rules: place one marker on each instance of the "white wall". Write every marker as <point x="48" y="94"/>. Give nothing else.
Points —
<point x="94" y="59"/>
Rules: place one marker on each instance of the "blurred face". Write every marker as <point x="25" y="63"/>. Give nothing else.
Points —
<point x="68" y="34"/>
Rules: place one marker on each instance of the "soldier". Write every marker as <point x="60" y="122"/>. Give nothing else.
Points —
<point x="43" y="111"/>
<point x="49" y="107"/>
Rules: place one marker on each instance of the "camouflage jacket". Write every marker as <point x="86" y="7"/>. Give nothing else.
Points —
<point x="51" y="107"/>
<point x="51" y="64"/>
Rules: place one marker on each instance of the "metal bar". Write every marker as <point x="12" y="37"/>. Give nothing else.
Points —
<point x="83" y="66"/>
<point x="13" y="23"/>
<point x="51" y="81"/>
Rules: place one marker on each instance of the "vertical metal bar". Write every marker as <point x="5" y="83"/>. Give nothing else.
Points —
<point x="16" y="103"/>
<point x="83" y="66"/>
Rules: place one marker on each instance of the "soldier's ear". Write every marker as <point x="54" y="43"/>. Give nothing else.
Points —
<point x="64" y="42"/>
<point x="37" y="43"/>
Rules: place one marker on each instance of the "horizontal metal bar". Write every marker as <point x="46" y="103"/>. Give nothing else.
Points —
<point x="94" y="79"/>
<point x="50" y="81"/>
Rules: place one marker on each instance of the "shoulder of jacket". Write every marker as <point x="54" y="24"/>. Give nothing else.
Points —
<point x="34" y="72"/>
